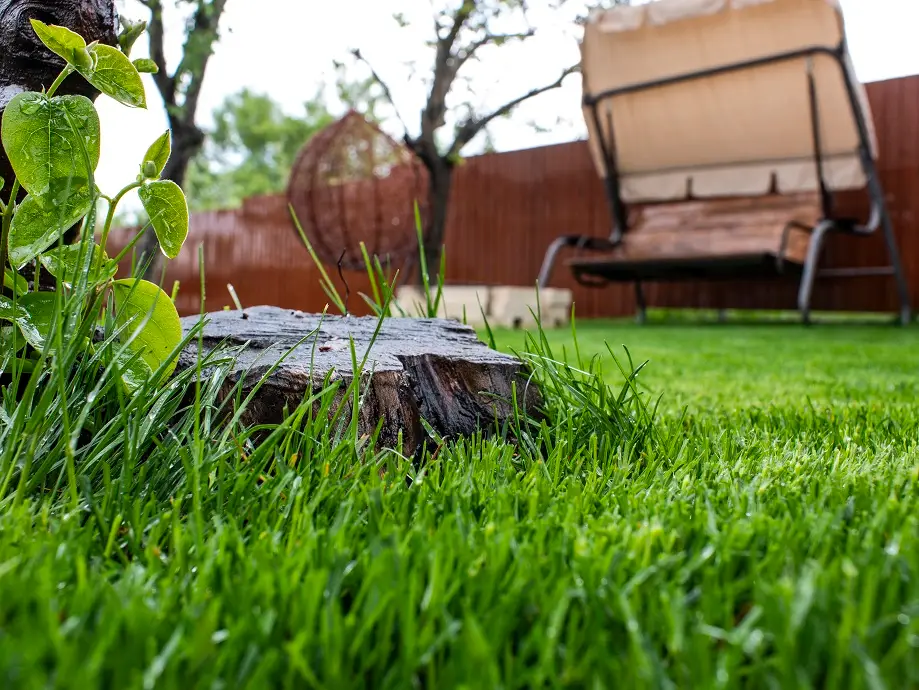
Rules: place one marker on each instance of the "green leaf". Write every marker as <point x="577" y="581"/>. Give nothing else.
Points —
<point x="65" y="264"/>
<point x="142" y="305"/>
<point x="15" y="282"/>
<point x="63" y="42"/>
<point x="80" y="114"/>
<point x="159" y="152"/>
<point x="167" y="209"/>
<point x="44" y="138"/>
<point x="146" y="66"/>
<point x="9" y="310"/>
<point x="38" y="317"/>
<point x="11" y="341"/>
<point x="115" y="76"/>
<point x="130" y="32"/>
<point x="41" y="220"/>
<point x="33" y="314"/>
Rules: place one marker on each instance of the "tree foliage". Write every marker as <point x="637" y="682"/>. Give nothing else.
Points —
<point x="253" y="143"/>
<point x="250" y="149"/>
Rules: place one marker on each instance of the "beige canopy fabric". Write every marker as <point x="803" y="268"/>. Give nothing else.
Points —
<point x="730" y="134"/>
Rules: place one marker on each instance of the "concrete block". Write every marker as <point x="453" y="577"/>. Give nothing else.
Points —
<point x="455" y="300"/>
<point x="511" y="307"/>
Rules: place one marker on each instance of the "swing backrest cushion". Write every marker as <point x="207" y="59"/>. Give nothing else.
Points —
<point x="741" y="133"/>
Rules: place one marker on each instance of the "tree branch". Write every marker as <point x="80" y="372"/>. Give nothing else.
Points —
<point x="435" y="15"/>
<point x="490" y="38"/>
<point x="472" y="126"/>
<point x="164" y="83"/>
<point x="383" y="85"/>
<point x="198" y="48"/>
<point x="446" y="65"/>
<point x="459" y="19"/>
<point x="468" y="52"/>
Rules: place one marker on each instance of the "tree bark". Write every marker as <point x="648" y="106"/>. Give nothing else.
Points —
<point x="27" y="65"/>
<point x="441" y="183"/>
<point x="187" y="140"/>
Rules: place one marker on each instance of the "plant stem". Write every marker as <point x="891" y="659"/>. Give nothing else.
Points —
<point x="110" y="216"/>
<point x="66" y="72"/>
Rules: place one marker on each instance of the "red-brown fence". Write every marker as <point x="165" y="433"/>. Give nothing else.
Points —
<point x="506" y="209"/>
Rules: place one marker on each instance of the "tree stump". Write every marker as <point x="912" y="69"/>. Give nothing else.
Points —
<point x="432" y="369"/>
<point x="27" y="65"/>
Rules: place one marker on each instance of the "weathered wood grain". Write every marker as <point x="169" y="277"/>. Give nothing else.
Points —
<point x="432" y="369"/>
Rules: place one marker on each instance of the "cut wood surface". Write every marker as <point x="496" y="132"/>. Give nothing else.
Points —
<point x="432" y="369"/>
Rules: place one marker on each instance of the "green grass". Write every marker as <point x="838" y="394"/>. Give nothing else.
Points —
<point x="717" y="367"/>
<point x="765" y="538"/>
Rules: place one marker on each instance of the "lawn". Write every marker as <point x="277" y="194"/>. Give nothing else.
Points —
<point x="761" y="532"/>
<point x="725" y="367"/>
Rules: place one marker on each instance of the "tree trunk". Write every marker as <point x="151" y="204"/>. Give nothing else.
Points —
<point x="441" y="183"/>
<point x="27" y="65"/>
<point x="187" y="140"/>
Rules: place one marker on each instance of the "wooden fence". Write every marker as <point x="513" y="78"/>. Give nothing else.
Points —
<point x="506" y="209"/>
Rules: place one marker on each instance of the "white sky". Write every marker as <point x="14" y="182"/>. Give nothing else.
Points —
<point x="286" y="47"/>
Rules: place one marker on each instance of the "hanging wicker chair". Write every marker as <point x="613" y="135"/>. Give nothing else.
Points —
<point x="351" y="183"/>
